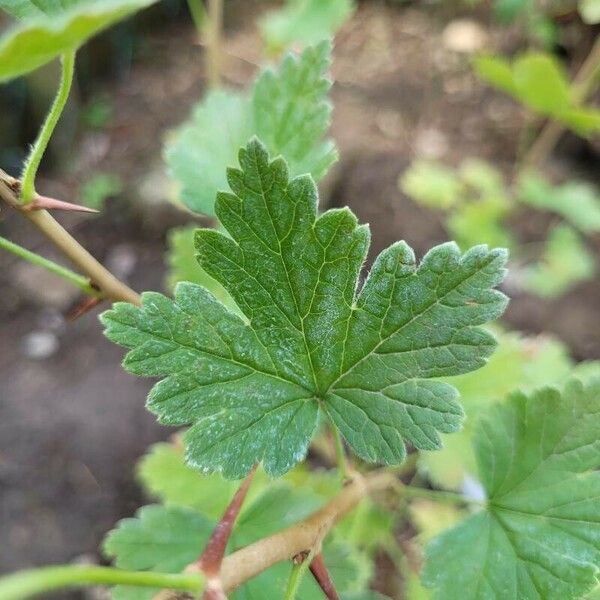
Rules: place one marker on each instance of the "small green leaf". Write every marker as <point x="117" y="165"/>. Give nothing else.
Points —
<point x="481" y="222"/>
<point x="496" y="71"/>
<point x="541" y="83"/>
<point x="576" y="201"/>
<point x="539" y="536"/>
<point x="301" y="23"/>
<point x="538" y="80"/>
<point x="51" y="28"/>
<point x="164" y="539"/>
<point x="253" y="389"/>
<point x="432" y="184"/>
<point x="564" y="263"/>
<point x="287" y="109"/>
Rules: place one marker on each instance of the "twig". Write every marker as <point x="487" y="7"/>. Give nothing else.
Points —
<point x="322" y="577"/>
<point x="78" y="280"/>
<point x="110" y="287"/>
<point x="284" y="545"/>
<point x="212" y="557"/>
<point x="213" y="35"/>
<point x="26" y="584"/>
<point x="300" y="567"/>
<point x="584" y="83"/>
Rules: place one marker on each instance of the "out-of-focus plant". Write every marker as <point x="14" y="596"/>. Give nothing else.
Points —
<point x="301" y="23"/>
<point x="477" y="206"/>
<point x="98" y="188"/>
<point x="538" y="81"/>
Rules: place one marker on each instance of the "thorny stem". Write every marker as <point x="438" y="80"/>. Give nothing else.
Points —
<point x="213" y="39"/>
<point x="238" y="567"/>
<point x="318" y="568"/>
<point x="109" y="286"/>
<point x="584" y="84"/>
<point x="78" y="280"/>
<point x="287" y="543"/>
<point x="41" y="143"/>
<point x="211" y="558"/>
<point x="26" y="584"/>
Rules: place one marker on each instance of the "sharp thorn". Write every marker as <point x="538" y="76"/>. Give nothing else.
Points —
<point x="321" y="574"/>
<point x="211" y="558"/>
<point x="46" y="203"/>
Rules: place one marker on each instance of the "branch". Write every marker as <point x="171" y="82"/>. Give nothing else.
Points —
<point x="109" y="286"/>
<point x="78" y="280"/>
<point x="252" y="560"/>
<point x="25" y="584"/>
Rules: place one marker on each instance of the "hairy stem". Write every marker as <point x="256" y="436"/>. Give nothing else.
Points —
<point x="109" y="286"/>
<point x="584" y="84"/>
<point x="78" y="280"/>
<point x="213" y="40"/>
<point x="26" y="584"/>
<point x="39" y="147"/>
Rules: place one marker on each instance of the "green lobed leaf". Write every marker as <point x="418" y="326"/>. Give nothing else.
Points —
<point x="301" y="23"/>
<point x="564" y="263"/>
<point x="50" y="28"/>
<point x="253" y="390"/>
<point x="287" y="109"/>
<point x="539" y="535"/>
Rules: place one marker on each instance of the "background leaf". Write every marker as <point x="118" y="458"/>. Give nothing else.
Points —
<point x="49" y="30"/>
<point x="539" y="536"/>
<point x="577" y="202"/>
<point x="183" y="265"/>
<point x="565" y="262"/>
<point x="160" y="538"/>
<point x="531" y="362"/>
<point x="538" y="80"/>
<point x="287" y="109"/>
<point x="301" y="23"/>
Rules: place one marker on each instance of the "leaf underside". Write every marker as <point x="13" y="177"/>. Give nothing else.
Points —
<point x="310" y="342"/>
<point x="539" y="537"/>
<point x="50" y="28"/>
